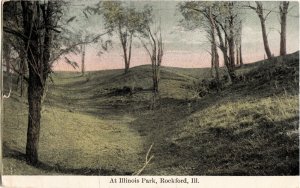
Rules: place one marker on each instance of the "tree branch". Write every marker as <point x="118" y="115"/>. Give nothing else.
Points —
<point x="147" y="161"/>
<point x="19" y="73"/>
<point x="15" y="33"/>
<point x="64" y="51"/>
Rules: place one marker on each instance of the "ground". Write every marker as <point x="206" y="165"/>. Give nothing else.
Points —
<point x="92" y="125"/>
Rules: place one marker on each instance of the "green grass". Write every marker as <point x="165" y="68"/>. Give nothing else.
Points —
<point x="249" y="128"/>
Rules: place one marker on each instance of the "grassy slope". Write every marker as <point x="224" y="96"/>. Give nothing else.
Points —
<point x="250" y="128"/>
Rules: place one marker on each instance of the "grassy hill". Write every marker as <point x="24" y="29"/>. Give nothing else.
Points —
<point x="91" y="125"/>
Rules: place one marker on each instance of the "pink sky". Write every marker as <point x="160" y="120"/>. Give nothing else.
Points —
<point x="114" y="60"/>
<point x="184" y="48"/>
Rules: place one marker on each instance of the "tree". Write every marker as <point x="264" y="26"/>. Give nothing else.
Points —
<point x="238" y="44"/>
<point x="14" y="56"/>
<point x="259" y="9"/>
<point x="39" y="22"/>
<point x="199" y="15"/>
<point x="13" y="47"/>
<point x="283" y="10"/>
<point x="229" y="18"/>
<point x="123" y="21"/>
<point x="153" y="45"/>
<point x="214" y="51"/>
<point x="223" y="17"/>
<point x="225" y="36"/>
<point x="38" y="29"/>
<point x="79" y="32"/>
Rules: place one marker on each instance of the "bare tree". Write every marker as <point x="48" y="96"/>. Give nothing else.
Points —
<point x="259" y="9"/>
<point x="238" y="45"/>
<point x="283" y="10"/>
<point x="222" y="19"/>
<point x="199" y="15"/>
<point x="151" y="39"/>
<point x="123" y="21"/>
<point x="154" y="48"/>
<point x="83" y="59"/>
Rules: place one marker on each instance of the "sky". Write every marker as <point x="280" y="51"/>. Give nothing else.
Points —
<point x="182" y="48"/>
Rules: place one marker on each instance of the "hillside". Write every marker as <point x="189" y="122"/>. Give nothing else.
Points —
<point x="91" y="125"/>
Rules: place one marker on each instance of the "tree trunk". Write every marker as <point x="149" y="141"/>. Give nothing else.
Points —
<point x="126" y="45"/>
<point x="240" y="45"/>
<point x="126" y="59"/>
<point x="265" y="38"/>
<point x="38" y="54"/>
<point x="224" y="49"/>
<point x="83" y="59"/>
<point x="237" y="55"/>
<point x="126" y="67"/>
<point x="23" y="72"/>
<point x="212" y="60"/>
<point x="35" y="93"/>
<point x="283" y="8"/>
<point x="155" y="81"/>
<point x="231" y="50"/>
<point x="231" y="41"/>
<point x="259" y="11"/>
<point x="217" y="66"/>
<point x="129" y="53"/>
<point x="241" y="57"/>
<point x="214" y="46"/>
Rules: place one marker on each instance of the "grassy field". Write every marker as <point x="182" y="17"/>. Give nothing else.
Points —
<point x="91" y="127"/>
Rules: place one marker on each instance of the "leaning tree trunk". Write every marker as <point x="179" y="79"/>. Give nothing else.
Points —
<point x="265" y="37"/>
<point x="283" y="8"/>
<point x="260" y="13"/>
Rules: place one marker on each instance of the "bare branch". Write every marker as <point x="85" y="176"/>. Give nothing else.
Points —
<point x="145" y="46"/>
<point x="147" y="161"/>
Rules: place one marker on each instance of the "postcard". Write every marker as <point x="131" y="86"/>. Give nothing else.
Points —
<point x="149" y="93"/>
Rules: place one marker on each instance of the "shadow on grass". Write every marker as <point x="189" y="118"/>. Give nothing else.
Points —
<point x="267" y="148"/>
<point x="11" y="153"/>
